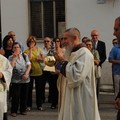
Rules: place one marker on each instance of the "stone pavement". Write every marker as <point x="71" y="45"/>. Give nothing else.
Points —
<point x="106" y="108"/>
<point x="106" y="101"/>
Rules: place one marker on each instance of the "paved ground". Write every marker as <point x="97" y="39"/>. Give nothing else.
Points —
<point x="106" y="103"/>
<point x="106" y="107"/>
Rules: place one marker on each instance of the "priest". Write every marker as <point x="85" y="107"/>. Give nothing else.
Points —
<point x="5" y="78"/>
<point x="79" y="101"/>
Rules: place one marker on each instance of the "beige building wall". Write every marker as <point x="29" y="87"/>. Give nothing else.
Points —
<point x="87" y="15"/>
<point x="15" y="17"/>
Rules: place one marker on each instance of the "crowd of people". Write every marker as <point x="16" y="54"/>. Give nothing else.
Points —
<point x="73" y="85"/>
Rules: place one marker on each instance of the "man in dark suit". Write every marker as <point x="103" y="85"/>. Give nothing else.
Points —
<point x="117" y="34"/>
<point x="101" y="48"/>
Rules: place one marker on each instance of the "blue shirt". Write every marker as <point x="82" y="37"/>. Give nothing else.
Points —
<point x="115" y="55"/>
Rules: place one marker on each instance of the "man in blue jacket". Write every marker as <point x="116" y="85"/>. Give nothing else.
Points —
<point x="117" y="62"/>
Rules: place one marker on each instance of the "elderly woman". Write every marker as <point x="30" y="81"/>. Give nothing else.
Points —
<point x="20" y="80"/>
<point x="35" y="56"/>
<point x="95" y="53"/>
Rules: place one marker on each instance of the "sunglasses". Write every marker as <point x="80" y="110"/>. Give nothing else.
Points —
<point x="57" y="41"/>
<point x="46" y="41"/>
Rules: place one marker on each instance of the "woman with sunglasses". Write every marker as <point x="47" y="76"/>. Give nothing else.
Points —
<point x="61" y="81"/>
<point x="53" y="82"/>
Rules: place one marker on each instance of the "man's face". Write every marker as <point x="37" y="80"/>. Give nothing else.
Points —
<point x="47" y="42"/>
<point x="117" y="30"/>
<point x="67" y="43"/>
<point x="12" y="34"/>
<point x="66" y="40"/>
<point x="94" y="36"/>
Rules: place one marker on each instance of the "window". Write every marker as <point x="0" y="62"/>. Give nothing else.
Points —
<point x="45" y="16"/>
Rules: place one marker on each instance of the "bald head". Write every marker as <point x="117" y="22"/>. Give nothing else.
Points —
<point x="73" y="32"/>
<point x="95" y="31"/>
<point x="71" y="38"/>
<point x="12" y="34"/>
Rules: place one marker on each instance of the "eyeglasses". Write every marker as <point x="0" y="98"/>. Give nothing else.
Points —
<point x="46" y="41"/>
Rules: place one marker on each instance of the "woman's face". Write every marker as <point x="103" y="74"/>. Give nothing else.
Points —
<point x="57" y="43"/>
<point x="16" y="49"/>
<point x="89" y="45"/>
<point x="32" y="43"/>
<point x="10" y="42"/>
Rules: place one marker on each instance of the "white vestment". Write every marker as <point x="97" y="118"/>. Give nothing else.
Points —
<point x="80" y="102"/>
<point x="61" y="85"/>
<point x="6" y="70"/>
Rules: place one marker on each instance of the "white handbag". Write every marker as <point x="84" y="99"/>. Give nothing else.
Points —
<point x="97" y="71"/>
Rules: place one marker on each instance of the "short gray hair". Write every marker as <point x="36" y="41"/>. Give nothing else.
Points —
<point x="73" y="31"/>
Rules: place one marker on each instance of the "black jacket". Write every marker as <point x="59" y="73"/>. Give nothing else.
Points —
<point x="101" y="48"/>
